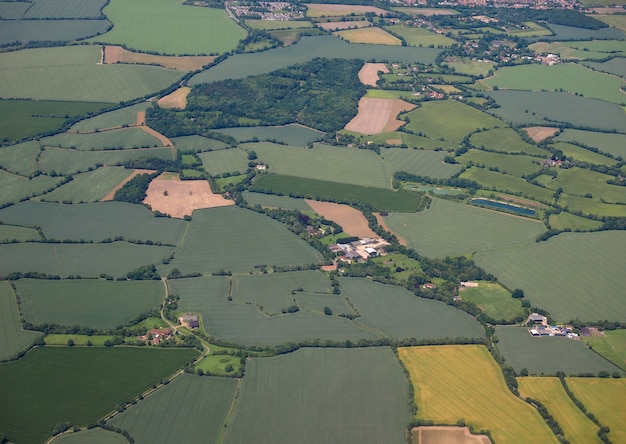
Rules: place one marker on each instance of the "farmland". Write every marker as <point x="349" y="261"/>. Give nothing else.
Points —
<point x="480" y="397"/>
<point x="351" y="220"/>
<point x="24" y="31"/>
<point x="293" y="134"/>
<point x="197" y="143"/>
<point x="91" y="380"/>
<point x="611" y="344"/>
<point x="452" y="229"/>
<point x="233" y="160"/>
<point x="420" y="162"/>
<point x="13" y="339"/>
<point x="108" y="140"/>
<point x="273" y="201"/>
<point x="373" y="36"/>
<point x="202" y="408"/>
<point x="420" y="36"/>
<point x="21" y="158"/>
<point x="606" y="142"/>
<point x="345" y="389"/>
<point x="14" y="233"/>
<point x="533" y="268"/>
<point x="505" y="182"/>
<point x="91" y="186"/>
<point x="94" y="436"/>
<point x="493" y="300"/>
<point x="64" y="9"/>
<point x="518" y="166"/>
<point x="16" y="188"/>
<point x="504" y="140"/>
<point x="581" y="154"/>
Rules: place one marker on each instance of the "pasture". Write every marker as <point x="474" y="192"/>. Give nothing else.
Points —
<point x="507" y="183"/>
<point x="91" y="186"/>
<point x="352" y="396"/>
<point x="576" y="152"/>
<point x="191" y="30"/>
<point x="269" y="25"/>
<point x="256" y="240"/>
<point x="14" y="233"/>
<point x="611" y="344"/>
<point x="370" y="35"/>
<point x="606" y="399"/>
<point x="494" y="300"/>
<point x="90" y="380"/>
<point x="615" y="66"/>
<point x="127" y="138"/>
<point x="452" y="229"/>
<point x="317" y="303"/>
<point x="72" y="73"/>
<point x="292" y="134"/>
<point x="582" y="182"/>
<point x="16" y="188"/>
<point x="410" y="140"/>
<point x="394" y="312"/>
<point x="64" y="9"/>
<point x="318" y="10"/>
<point x="81" y="340"/>
<point x="420" y="36"/>
<point x="234" y="160"/>
<point x="203" y="405"/>
<point x="273" y="201"/>
<point x="111" y="119"/>
<point x="192" y="144"/>
<point x="611" y="143"/>
<point x="593" y="206"/>
<point x="570" y="221"/>
<point x="548" y="355"/>
<point x="573" y="257"/>
<point x="518" y="166"/>
<point x="58" y="31"/>
<point x="93" y="303"/>
<point x="455" y="382"/>
<point x="504" y="140"/>
<point x="433" y="120"/>
<point x="93" y="436"/>
<point x="13" y="339"/>
<point x="577" y="428"/>
<point x="471" y="67"/>
<point x="21" y="158"/>
<point x="117" y="54"/>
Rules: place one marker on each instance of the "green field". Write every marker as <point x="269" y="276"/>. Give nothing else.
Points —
<point x="529" y="29"/>
<point x="548" y="355"/>
<point x="420" y="162"/>
<point x="350" y="396"/>
<point x="15" y="188"/>
<point x="593" y="207"/>
<point x="14" y="233"/>
<point x="464" y="382"/>
<point x="21" y="158"/>
<point x="218" y="360"/>
<point x="504" y="140"/>
<point x="471" y="67"/>
<point x="87" y="260"/>
<point x="90" y="381"/>
<point x="111" y="119"/>
<point x="574" y="258"/>
<point x="13" y="339"/>
<point x="105" y="140"/>
<point x="433" y="119"/>
<point x="317" y="303"/>
<point x="92" y="436"/>
<point x="89" y="187"/>
<point x="615" y="66"/>
<point x="570" y="221"/>
<point x="64" y="9"/>
<point x="190" y="30"/>
<point x="611" y="143"/>
<point x="577" y="428"/>
<point x="515" y="165"/>
<point x="79" y="340"/>
<point x="292" y="134"/>
<point x="410" y="140"/>
<point x="57" y="31"/>
<point x="273" y="201"/>
<point x="267" y="25"/>
<point x="202" y="406"/>
<point x="324" y="162"/>
<point x="452" y="229"/>
<point x="93" y="303"/>
<point x="233" y="160"/>
<point x="582" y="182"/>
<point x="493" y="300"/>
<point x="420" y="36"/>
<point x="606" y="399"/>
<point x="231" y="238"/>
<point x="507" y="183"/>
<point x="611" y="344"/>
<point x="192" y="144"/>
<point x="394" y="312"/>
<point x="581" y="154"/>
<point x="72" y="73"/>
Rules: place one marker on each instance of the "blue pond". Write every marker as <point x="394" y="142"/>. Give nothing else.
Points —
<point x="503" y="206"/>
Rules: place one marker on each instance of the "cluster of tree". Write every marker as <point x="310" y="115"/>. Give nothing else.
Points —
<point x="566" y="17"/>
<point x="450" y="182"/>
<point x="146" y="272"/>
<point x="134" y="191"/>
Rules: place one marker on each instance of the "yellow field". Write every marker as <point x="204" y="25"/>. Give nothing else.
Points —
<point x="606" y="399"/>
<point x="375" y="36"/>
<point x="550" y="392"/>
<point x="455" y="382"/>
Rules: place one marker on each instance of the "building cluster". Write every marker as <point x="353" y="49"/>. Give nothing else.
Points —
<point x="516" y="4"/>
<point x="269" y="11"/>
<point x="538" y="326"/>
<point x="360" y="250"/>
<point x="156" y="336"/>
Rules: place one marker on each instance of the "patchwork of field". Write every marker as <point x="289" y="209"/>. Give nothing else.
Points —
<point x="420" y="36"/>
<point x="191" y="144"/>
<point x="127" y="138"/>
<point x="368" y="75"/>
<point x="21" y="158"/>
<point x="16" y="188"/>
<point x="93" y="436"/>
<point x="506" y="140"/>
<point x="338" y="26"/>
<point x="611" y="143"/>
<point x="13" y="339"/>
<point x="577" y="152"/>
<point x="63" y="9"/>
<point x="493" y="300"/>
<point x="507" y="183"/>
<point x="400" y="138"/>
<point x="202" y="406"/>
<point x="176" y="99"/>
<point x="577" y="427"/>
<point x="117" y="54"/>
<point x="370" y="35"/>
<point x="582" y="182"/>
<point x="609" y="343"/>
<point x="451" y="229"/>
<point x="555" y="274"/>
<point x="540" y="133"/>
<point x="292" y="134"/>
<point x="112" y="119"/>
<point x="471" y="67"/>
<point x="72" y="73"/>
<point x="518" y="166"/>
<point x="351" y="220"/>
<point x="93" y="303"/>
<point x="15" y="234"/>
<point x="59" y="31"/>
<point x="565" y="220"/>
<point x="548" y="355"/>
<point x="91" y="186"/>
<point x="90" y="380"/>
<point x="268" y="25"/>
<point x="351" y="396"/>
<point x="273" y="201"/>
<point x="464" y="382"/>
<point x="234" y="160"/>
<point x="319" y="302"/>
<point x="326" y="10"/>
<point x="615" y="66"/>
<point x="378" y="115"/>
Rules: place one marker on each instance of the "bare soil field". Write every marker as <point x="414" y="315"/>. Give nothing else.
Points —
<point x="321" y="10"/>
<point x="368" y="75"/>
<point x="371" y="35"/>
<point x="351" y="220"/>
<point x="177" y="99"/>
<point x="446" y="435"/>
<point x="378" y="116"/>
<point x="117" y="54"/>
<point x="539" y="133"/>
<point x="381" y="221"/>
<point x="178" y="198"/>
<point x="122" y="183"/>
<point x="338" y="26"/>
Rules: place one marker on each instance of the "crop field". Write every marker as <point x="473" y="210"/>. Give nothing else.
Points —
<point x="579" y="182"/>
<point x="21" y="158"/>
<point x="13" y="339"/>
<point x="374" y="36"/>
<point x="565" y="220"/>
<point x="13" y="10"/>
<point x="339" y="26"/>
<point x="273" y="201"/>
<point x="72" y="73"/>
<point x="611" y="143"/>
<point x="420" y="36"/>
<point x="541" y="133"/>
<point x="611" y="344"/>
<point x="117" y="54"/>
<point x="577" y="428"/>
<point x="105" y="140"/>
<point x="83" y="340"/>
<point x="89" y="380"/>
<point x="480" y="396"/>
<point x="317" y="303"/>
<point x="471" y="67"/>
<point x="87" y="260"/>
<point x="324" y="162"/>
<point x="234" y="160"/>
<point x="378" y="198"/>
<point x="606" y="399"/>
<point x="504" y="140"/>
<point x="50" y="30"/>
<point x="245" y="324"/>
<point x="352" y="396"/>
<point x="15" y="188"/>
<point x="433" y="119"/>
<point x="243" y="65"/>
<point x="613" y="19"/>
<point x="292" y="134"/>
<point x="191" y="144"/>
<point x="378" y="115"/>
<point x="505" y="182"/>
<point x="592" y="206"/>
<point x="268" y="25"/>
<point x="92" y="436"/>
<point x="451" y="229"/>
<point x="202" y="406"/>
<point x="411" y="141"/>
<point x="88" y="187"/>
<point x="519" y="165"/>
<point x="574" y="257"/>
<point x="91" y="303"/>
<point x="582" y="154"/>
<point x="191" y="30"/>
<point x="394" y="312"/>
<point x="13" y="233"/>
<point x="64" y="9"/>
<point x="351" y="220"/>
<point x="548" y="355"/>
<point x="111" y="119"/>
<point x="259" y="240"/>
<point x="324" y="10"/>
<point x="615" y="66"/>
<point x="494" y="300"/>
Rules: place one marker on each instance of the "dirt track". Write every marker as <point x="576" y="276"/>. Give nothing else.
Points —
<point x="351" y="220"/>
<point x="378" y="115"/>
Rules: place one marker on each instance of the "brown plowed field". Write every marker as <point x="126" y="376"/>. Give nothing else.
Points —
<point x="178" y="198"/>
<point x="122" y="183"/>
<point x="446" y="435"/>
<point x="177" y="99"/>
<point x="378" y="116"/>
<point x="141" y="122"/>
<point x="381" y="221"/>
<point x="351" y="220"/>
<point x="117" y="54"/>
<point x="368" y="75"/>
<point x="539" y="133"/>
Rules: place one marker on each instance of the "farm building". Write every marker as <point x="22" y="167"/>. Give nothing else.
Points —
<point x="192" y="319"/>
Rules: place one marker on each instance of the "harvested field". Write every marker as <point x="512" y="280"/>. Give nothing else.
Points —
<point x="378" y="115"/>
<point x="351" y="220"/>
<point x="539" y="133"/>
<point x="373" y="36"/>
<point x="117" y="54"/>
<point x="122" y="183"/>
<point x="368" y="75"/>
<point x="169" y="195"/>
<point x="177" y="99"/>
<point x="337" y="26"/>
<point x="322" y="10"/>
<point x="141" y="121"/>
<point x="446" y="435"/>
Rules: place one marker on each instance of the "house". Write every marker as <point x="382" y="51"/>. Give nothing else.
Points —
<point x="536" y="318"/>
<point x="191" y="319"/>
<point x="329" y="267"/>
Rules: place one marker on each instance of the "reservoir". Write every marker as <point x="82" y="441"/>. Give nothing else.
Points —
<point x="503" y="206"/>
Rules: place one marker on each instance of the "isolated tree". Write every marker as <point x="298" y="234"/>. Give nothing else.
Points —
<point x="328" y="311"/>
<point x="70" y="342"/>
<point x="517" y="293"/>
